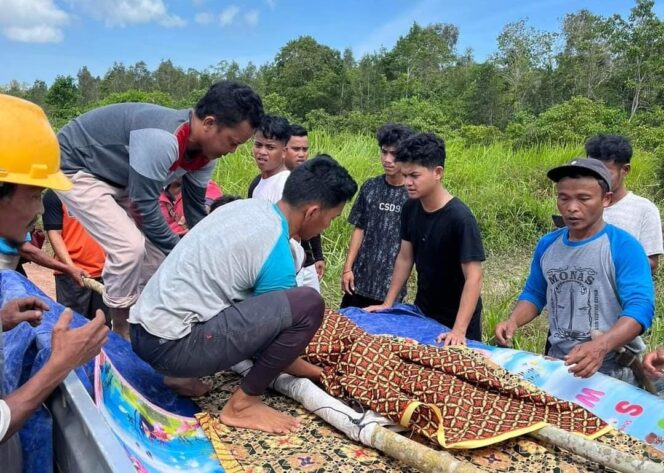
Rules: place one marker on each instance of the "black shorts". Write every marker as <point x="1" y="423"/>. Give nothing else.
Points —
<point x="80" y="299"/>
<point x="237" y="333"/>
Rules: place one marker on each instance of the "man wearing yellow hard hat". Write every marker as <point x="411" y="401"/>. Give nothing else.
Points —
<point x="30" y="162"/>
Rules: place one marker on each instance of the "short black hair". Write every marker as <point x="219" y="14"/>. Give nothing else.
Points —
<point x="580" y="173"/>
<point x="298" y="130"/>
<point x="321" y="180"/>
<point x="7" y="189"/>
<point x="230" y="103"/>
<point x="425" y="149"/>
<point x="274" y="127"/>
<point x="223" y="200"/>
<point x="609" y="148"/>
<point x="391" y="134"/>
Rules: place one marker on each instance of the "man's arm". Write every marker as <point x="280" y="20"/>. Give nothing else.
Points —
<point x="470" y="295"/>
<point x="523" y="313"/>
<point x="59" y="247"/>
<point x="194" y="185"/>
<point x="35" y="255"/>
<point x="347" y="276"/>
<point x="70" y="349"/>
<point x="402" y="268"/>
<point x="653" y="260"/>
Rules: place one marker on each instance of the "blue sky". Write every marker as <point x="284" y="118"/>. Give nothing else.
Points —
<point x="40" y="39"/>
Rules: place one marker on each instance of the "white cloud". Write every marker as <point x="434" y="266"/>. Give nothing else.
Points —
<point x="271" y="3"/>
<point x="251" y="17"/>
<point x="125" y="12"/>
<point x="204" y="18"/>
<point x="173" y="21"/>
<point x="228" y="15"/>
<point x="32" y="21"/>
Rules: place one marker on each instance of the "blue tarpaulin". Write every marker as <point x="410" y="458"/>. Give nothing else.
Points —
<point x="26" y="350"/>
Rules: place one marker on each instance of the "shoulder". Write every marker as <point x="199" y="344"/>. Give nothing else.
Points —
<point x="50" y="198"/>
<point x="647" y="205"/>
<point x="622" y="239"/>
<point x="458" y="211"/>
<point x="547" y="240"/>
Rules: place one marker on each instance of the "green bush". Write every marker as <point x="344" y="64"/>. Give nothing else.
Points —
<point x="570" y="122"/>
<point x="480" y="134"/>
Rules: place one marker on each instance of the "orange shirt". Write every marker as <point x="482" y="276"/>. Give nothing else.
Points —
<point x="85" y="252"/>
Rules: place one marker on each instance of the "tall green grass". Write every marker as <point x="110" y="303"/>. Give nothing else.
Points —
<point x="507" y="190"/>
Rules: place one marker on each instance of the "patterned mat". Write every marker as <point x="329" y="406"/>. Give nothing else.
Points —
<point x="453" y="396"/>
<point x="319" y="448"/>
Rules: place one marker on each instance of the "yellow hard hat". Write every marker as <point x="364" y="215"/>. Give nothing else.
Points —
<point x="29" y="150"/>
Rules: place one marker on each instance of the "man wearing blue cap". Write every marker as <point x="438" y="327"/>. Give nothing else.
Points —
<point x="593" y="278"/>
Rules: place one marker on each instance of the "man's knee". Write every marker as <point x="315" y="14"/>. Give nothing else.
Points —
<point x="307" y="306"/>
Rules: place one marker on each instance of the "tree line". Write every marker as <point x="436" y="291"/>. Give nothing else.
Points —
<point x="595" y="74"/>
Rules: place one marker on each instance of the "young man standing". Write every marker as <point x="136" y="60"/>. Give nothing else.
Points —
<point x="376" y="217"/>
<point x="31" y="162"/>
<point x="73" y="246"/>
<point x="227" y="293"/>
<point x="634" y="214"/>
<point x="120" y="157"/>
<point x="313" y="269"/>
<point x="439" y="234"/>
<point x="269" y="152"/>
<point x="594" y="279"/>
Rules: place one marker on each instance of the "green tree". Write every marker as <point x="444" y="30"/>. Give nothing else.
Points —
<point x="587" y="61"/>
<point x="88" y="86"/>
<point x="641" y="41"/>
<point x="309" y="76"/>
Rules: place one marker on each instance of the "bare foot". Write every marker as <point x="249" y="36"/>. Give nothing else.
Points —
<point x="304" y="369"/>
<point x="248" y="412"/>
<point x="189" y="387"/>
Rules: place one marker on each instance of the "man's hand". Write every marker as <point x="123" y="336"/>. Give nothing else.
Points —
<point x="320" y="269"/>
<point x="653" y="363"/>
<point x="378" y="308"/>
<point x="348" y="282"/>
<point x="505" y="332"/>
<point x="586" y="358"/>
<point x="454" y="337"/>
<point x="25" y="309"/>
<point x="77" y="274"/>
<point x="71" y="347"/>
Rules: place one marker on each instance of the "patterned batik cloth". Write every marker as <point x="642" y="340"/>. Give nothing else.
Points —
<point x="318" y="447"/>
<point x="453" y="396"/>
<point x="315" y="447"/>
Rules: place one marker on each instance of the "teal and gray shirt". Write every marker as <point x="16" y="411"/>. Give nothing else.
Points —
<point x="238" y="251"/>
<point x="141" y="148"/>
<point x="588" y="285"/>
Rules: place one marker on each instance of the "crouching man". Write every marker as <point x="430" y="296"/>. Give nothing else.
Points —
<point x="227" y="293"/>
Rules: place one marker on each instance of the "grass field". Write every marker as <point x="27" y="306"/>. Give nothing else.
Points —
<point x="507" y="190"/>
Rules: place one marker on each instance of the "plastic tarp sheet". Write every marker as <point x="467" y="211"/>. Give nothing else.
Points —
<point x="26" y="350"/>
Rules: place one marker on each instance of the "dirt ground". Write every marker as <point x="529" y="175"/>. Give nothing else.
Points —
<point x="42" y="277"/>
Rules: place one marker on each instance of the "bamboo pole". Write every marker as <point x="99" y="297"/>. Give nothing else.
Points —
<point x="417" y="455"/>
<point x="596" y="452"/>
<point x="94" y="285"/>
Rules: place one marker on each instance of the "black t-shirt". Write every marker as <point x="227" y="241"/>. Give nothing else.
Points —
<point x="53" y="216"/>
<point x="377" y="211"/>
<point x="442" y="240"/>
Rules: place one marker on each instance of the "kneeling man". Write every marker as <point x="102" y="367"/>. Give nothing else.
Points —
<point x="227" y="293"/>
